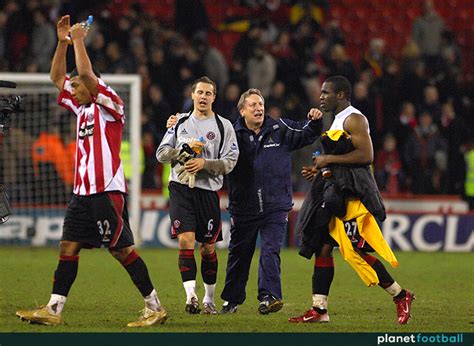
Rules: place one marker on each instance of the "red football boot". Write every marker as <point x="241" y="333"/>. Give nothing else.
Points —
<point x="311" y="316"/>
<point x="404" y="307"/>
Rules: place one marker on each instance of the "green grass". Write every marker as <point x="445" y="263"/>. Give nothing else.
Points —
<point x="103" y="299"/>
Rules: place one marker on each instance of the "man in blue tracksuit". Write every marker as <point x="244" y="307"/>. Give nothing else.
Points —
<point x="260" y="197"/>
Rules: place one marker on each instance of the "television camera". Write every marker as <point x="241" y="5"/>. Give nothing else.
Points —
<point x="8" y="106"/>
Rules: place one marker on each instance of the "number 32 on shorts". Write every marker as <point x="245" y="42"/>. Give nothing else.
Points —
<point x="104" y="230"/>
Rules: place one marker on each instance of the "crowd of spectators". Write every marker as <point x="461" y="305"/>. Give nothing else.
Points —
<point x="416" y="106"/>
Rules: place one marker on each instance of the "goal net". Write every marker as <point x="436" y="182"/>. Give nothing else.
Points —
<point x="37" y="154"/>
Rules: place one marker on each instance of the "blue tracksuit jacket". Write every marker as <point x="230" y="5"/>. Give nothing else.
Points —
<point x="261" y="181"/>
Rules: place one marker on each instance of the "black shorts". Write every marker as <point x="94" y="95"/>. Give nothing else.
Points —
<point x="352" y="231"/>
<point x="195" y="210"/>
<point x="99" y="220"/>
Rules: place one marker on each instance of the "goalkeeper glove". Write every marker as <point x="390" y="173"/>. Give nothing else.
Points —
<point x="185" y="177"/>
<point x="185" y="154"/>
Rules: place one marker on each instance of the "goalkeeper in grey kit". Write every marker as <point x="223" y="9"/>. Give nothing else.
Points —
<point x="202" y="148"/>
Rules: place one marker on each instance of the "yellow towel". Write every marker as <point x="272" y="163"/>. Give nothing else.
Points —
<point x="370" y="231"/>
<point x="334" y="135"/>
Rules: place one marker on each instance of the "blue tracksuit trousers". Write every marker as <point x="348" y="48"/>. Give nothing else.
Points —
<point x="244" y="230"/>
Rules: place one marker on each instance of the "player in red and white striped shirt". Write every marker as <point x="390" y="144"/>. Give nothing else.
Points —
<point x="100" y="125"/>
<point x="97" y="214"/>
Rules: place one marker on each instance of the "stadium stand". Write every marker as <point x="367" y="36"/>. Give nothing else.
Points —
<point x="143" y="37"/>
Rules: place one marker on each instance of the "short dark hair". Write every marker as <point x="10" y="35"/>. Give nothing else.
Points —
<point x="246" y="94"/>
<point x="204" y="79"/>
<point x="341" y="83"/>
<point x="74" y="73"/>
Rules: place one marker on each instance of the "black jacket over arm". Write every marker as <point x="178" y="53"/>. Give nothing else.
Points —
<point x="327" y="198"/>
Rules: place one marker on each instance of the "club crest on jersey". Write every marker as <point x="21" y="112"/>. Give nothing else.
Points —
<point x="176" y="224"/>
<point x="210" y="135"/>
<point x="86" y="131"/>
<point x="184" y="132"/>
<point x="233" y="146"/>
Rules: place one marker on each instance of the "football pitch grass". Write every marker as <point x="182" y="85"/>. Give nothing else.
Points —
<point x="103" y="298"/>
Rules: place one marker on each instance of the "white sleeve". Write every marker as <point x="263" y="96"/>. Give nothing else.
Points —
<point x="166" y="151"/>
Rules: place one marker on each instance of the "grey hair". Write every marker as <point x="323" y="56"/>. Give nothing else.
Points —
<point x="246" y="94"/>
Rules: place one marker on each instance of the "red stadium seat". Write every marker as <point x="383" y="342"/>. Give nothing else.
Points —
<point x="221" y="41"/>
<point x="363" y="13"/>
<point x="444" y="11"/>
<point x="336" y="12"/>
<point x="454" y="3"/>
<point x="413" y="13"/>
<point x="238" y="11"/>
<point x="215" y="14"/>
<point x="362" y="20"/>
<point x="379" y="4"/>
<point x="390" y="14"/>
<point x="375" y="27"/>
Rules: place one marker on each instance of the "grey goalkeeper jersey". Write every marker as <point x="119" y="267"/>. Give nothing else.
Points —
<point x="190" y="130"/>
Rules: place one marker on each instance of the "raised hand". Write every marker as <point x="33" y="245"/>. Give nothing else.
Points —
<point x="172" y="120"/>
<point x="315" y="114"/>
<point x="78" y="32"/>
<point x="63" y="27"/>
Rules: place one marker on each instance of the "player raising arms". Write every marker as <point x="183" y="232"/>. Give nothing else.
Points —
<point x="97" y="213"/>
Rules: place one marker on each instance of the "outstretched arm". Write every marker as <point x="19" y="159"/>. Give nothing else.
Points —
<point x="57" y="73"/>
<point x="299" y="134"/>
<point x="363" y="154"/>
<point x="83" y="63"/>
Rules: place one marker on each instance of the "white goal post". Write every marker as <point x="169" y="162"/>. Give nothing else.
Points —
<point x="30" y="86"/>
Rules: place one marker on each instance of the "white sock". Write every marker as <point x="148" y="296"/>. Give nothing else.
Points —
<point x="320" y="301"/>
<point x="190" y="287"/>
<point x="209" y="295"/>
<point x="394" y="289"/>
<point x="56" y="304"/>
<point x="152" y="301"/>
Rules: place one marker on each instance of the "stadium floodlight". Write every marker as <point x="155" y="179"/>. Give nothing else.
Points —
<point x="25" y="184"/>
